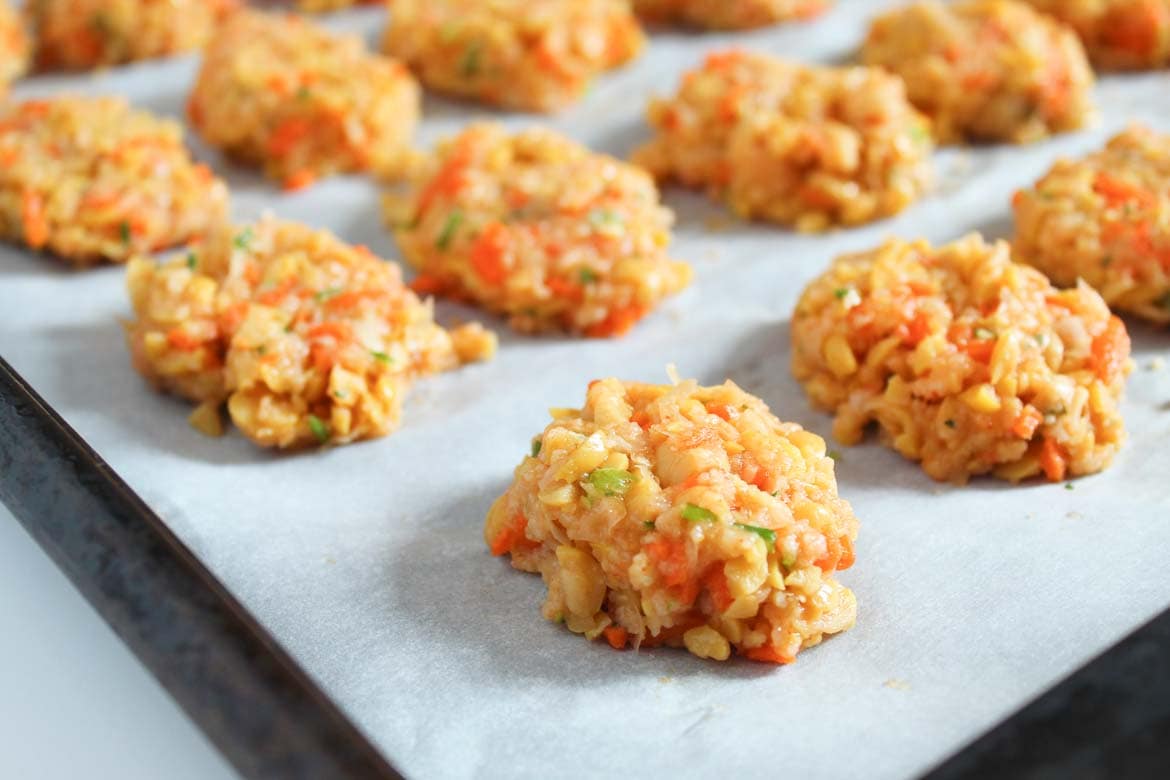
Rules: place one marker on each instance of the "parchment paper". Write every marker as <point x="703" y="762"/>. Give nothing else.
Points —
<point x="367" y="562"/>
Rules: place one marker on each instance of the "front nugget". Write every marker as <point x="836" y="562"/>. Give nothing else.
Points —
<point x="307" y="339"/>
<point x="90" y="179"/>
<point x="1103" y="219"/>
<point x="536" y="227"/>
<point x="985" y="70"/>
<point x="532" y="55"/>
<point x="729" y="14"/>
<point x="14" y="47"/>
<point x="83" y="34"/>
<point x="799" y="145"/>
<point x="278" y="91"/>
<point x="681" y="515"/>
<point x="967" y="361"/>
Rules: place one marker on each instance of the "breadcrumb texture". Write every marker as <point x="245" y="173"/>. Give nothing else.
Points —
<point x="966" y="361"/>
<point x="536" y="227"/>
<point x="307" y="339"/>
<point x="1106" y="219"/>
<point x="283" y="93"/>
<point x="91" y="180"/>
<point x="810" y="147"/>
<point x="729" y="14"/>
<point x="1118" y="34"/>
<point x="986" y="70"/>
<point x="681" y="515"/>
<point x="84" y="34"/>
<point x="532" y="55"/>
<point x="14" y="47"/>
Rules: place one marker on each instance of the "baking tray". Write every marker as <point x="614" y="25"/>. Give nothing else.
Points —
<point x="158" y="573"/>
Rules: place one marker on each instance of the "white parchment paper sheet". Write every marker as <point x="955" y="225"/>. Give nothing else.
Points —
<point x="367" y="563"/>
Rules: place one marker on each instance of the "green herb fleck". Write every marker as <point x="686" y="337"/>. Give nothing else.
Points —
<point x="949" y="423"/>
<point x="767" y="534"/>
<point x="840" y="293"/>
<point x="260" y="350"/>
<point x="697" y="514"/>
<point x="560" y="617"/>
<point x="469" y="65"/>
<point x="835" y="455"/>
<point x="984" y="334"/>
<point x="450" y="228"/>
<point x="536" y="445"/>
<point x="607" y="220"/>
<point x="319" y="428"/>
<point x="326" y="294"/>
<point x="919" y="134"/>
<point x="611" y="482"/>
<point x="587" y="276"/>
<point x="1164" y="301"/>
<point x="192" y="260"/>
<point x="1068" y="486"/>
<point x="787" y="559"/>
<point x="303" y="93"/>
<point x="382" y="357"/>
<point x="648" y="525"/>
<point x="124" y="231"/>
<point x="244" y="238"/>
<point x="1106" y="261"/>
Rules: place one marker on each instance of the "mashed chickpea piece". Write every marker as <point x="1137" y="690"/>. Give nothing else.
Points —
<point x="685" y="516"/>
<point x="307" y="339"/>
<point x="806" y="146"/>
<point x="1100" y="219"/>
<point x="966" y="361"/>
<point x="536" y="227"/>
<point x="92" y="180"/>
<point x="532" y="55"/>
<point x="83" y="34"/>
<point x="729" y="14"/>
<point x="985" y="70"/>
<point x="280" y="92"/>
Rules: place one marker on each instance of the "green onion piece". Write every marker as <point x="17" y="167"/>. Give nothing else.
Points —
<point x="587" y="275"/>
<point x="382" y="357"/>
<point x="450" y="228"/>
<point x="984" y="334"/>
<point x="611" y="482"/>
<point x="767" y="534"/>
<point x="192" y="260"/>
<point x="840" y="293"/>
<point x="319" y="428"/>
<point x="326" y="294"/>
<point x="469" y="65"/>
<point x="124" y="231"/>
<point x="243" y="239"/>
<point x="536" y="445"/>
<point x="697" y="514"/>
<point x="787" y="559"/>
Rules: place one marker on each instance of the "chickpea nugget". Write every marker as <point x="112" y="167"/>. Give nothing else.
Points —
<point x="307" y="339"/>
<point x="681" y="515"/>
<point x="729" y="14"/>
<point x="536" y="227"/>
<point x="1118" y="34"/>
<point x="967" y="361"/>
<point x="14" y="47"/>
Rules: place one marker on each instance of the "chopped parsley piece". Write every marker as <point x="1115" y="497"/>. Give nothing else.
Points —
<point x="124" y="231"/>
<point x="326" y="294"/>
<point x="834" y="455"/>
<point x="648" y="525"/>
<point x="260" y="350"/>
<point x="319" y="428"/>
<point x="984" y="334"/>
<point x="606" y="219"/>
<point x="244" y="238"/>
<point x="587" y="276"/>
<point x="1068" y="486"/>
<point x="450" y="228"/>
<point x="536" y="445"/>
<point x="767" y="534"/>
<point x="949" y="423"/>
<point x="611" y="482"/>
<point x="840" y="293"/>
<point x="382" y="357"/>
<point x="1106" y="261"/>
<point x="192" y="260"/>
<point x="697" y="514"/>
<point x="303" y="93"/>
<point x="469" y="65"/>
